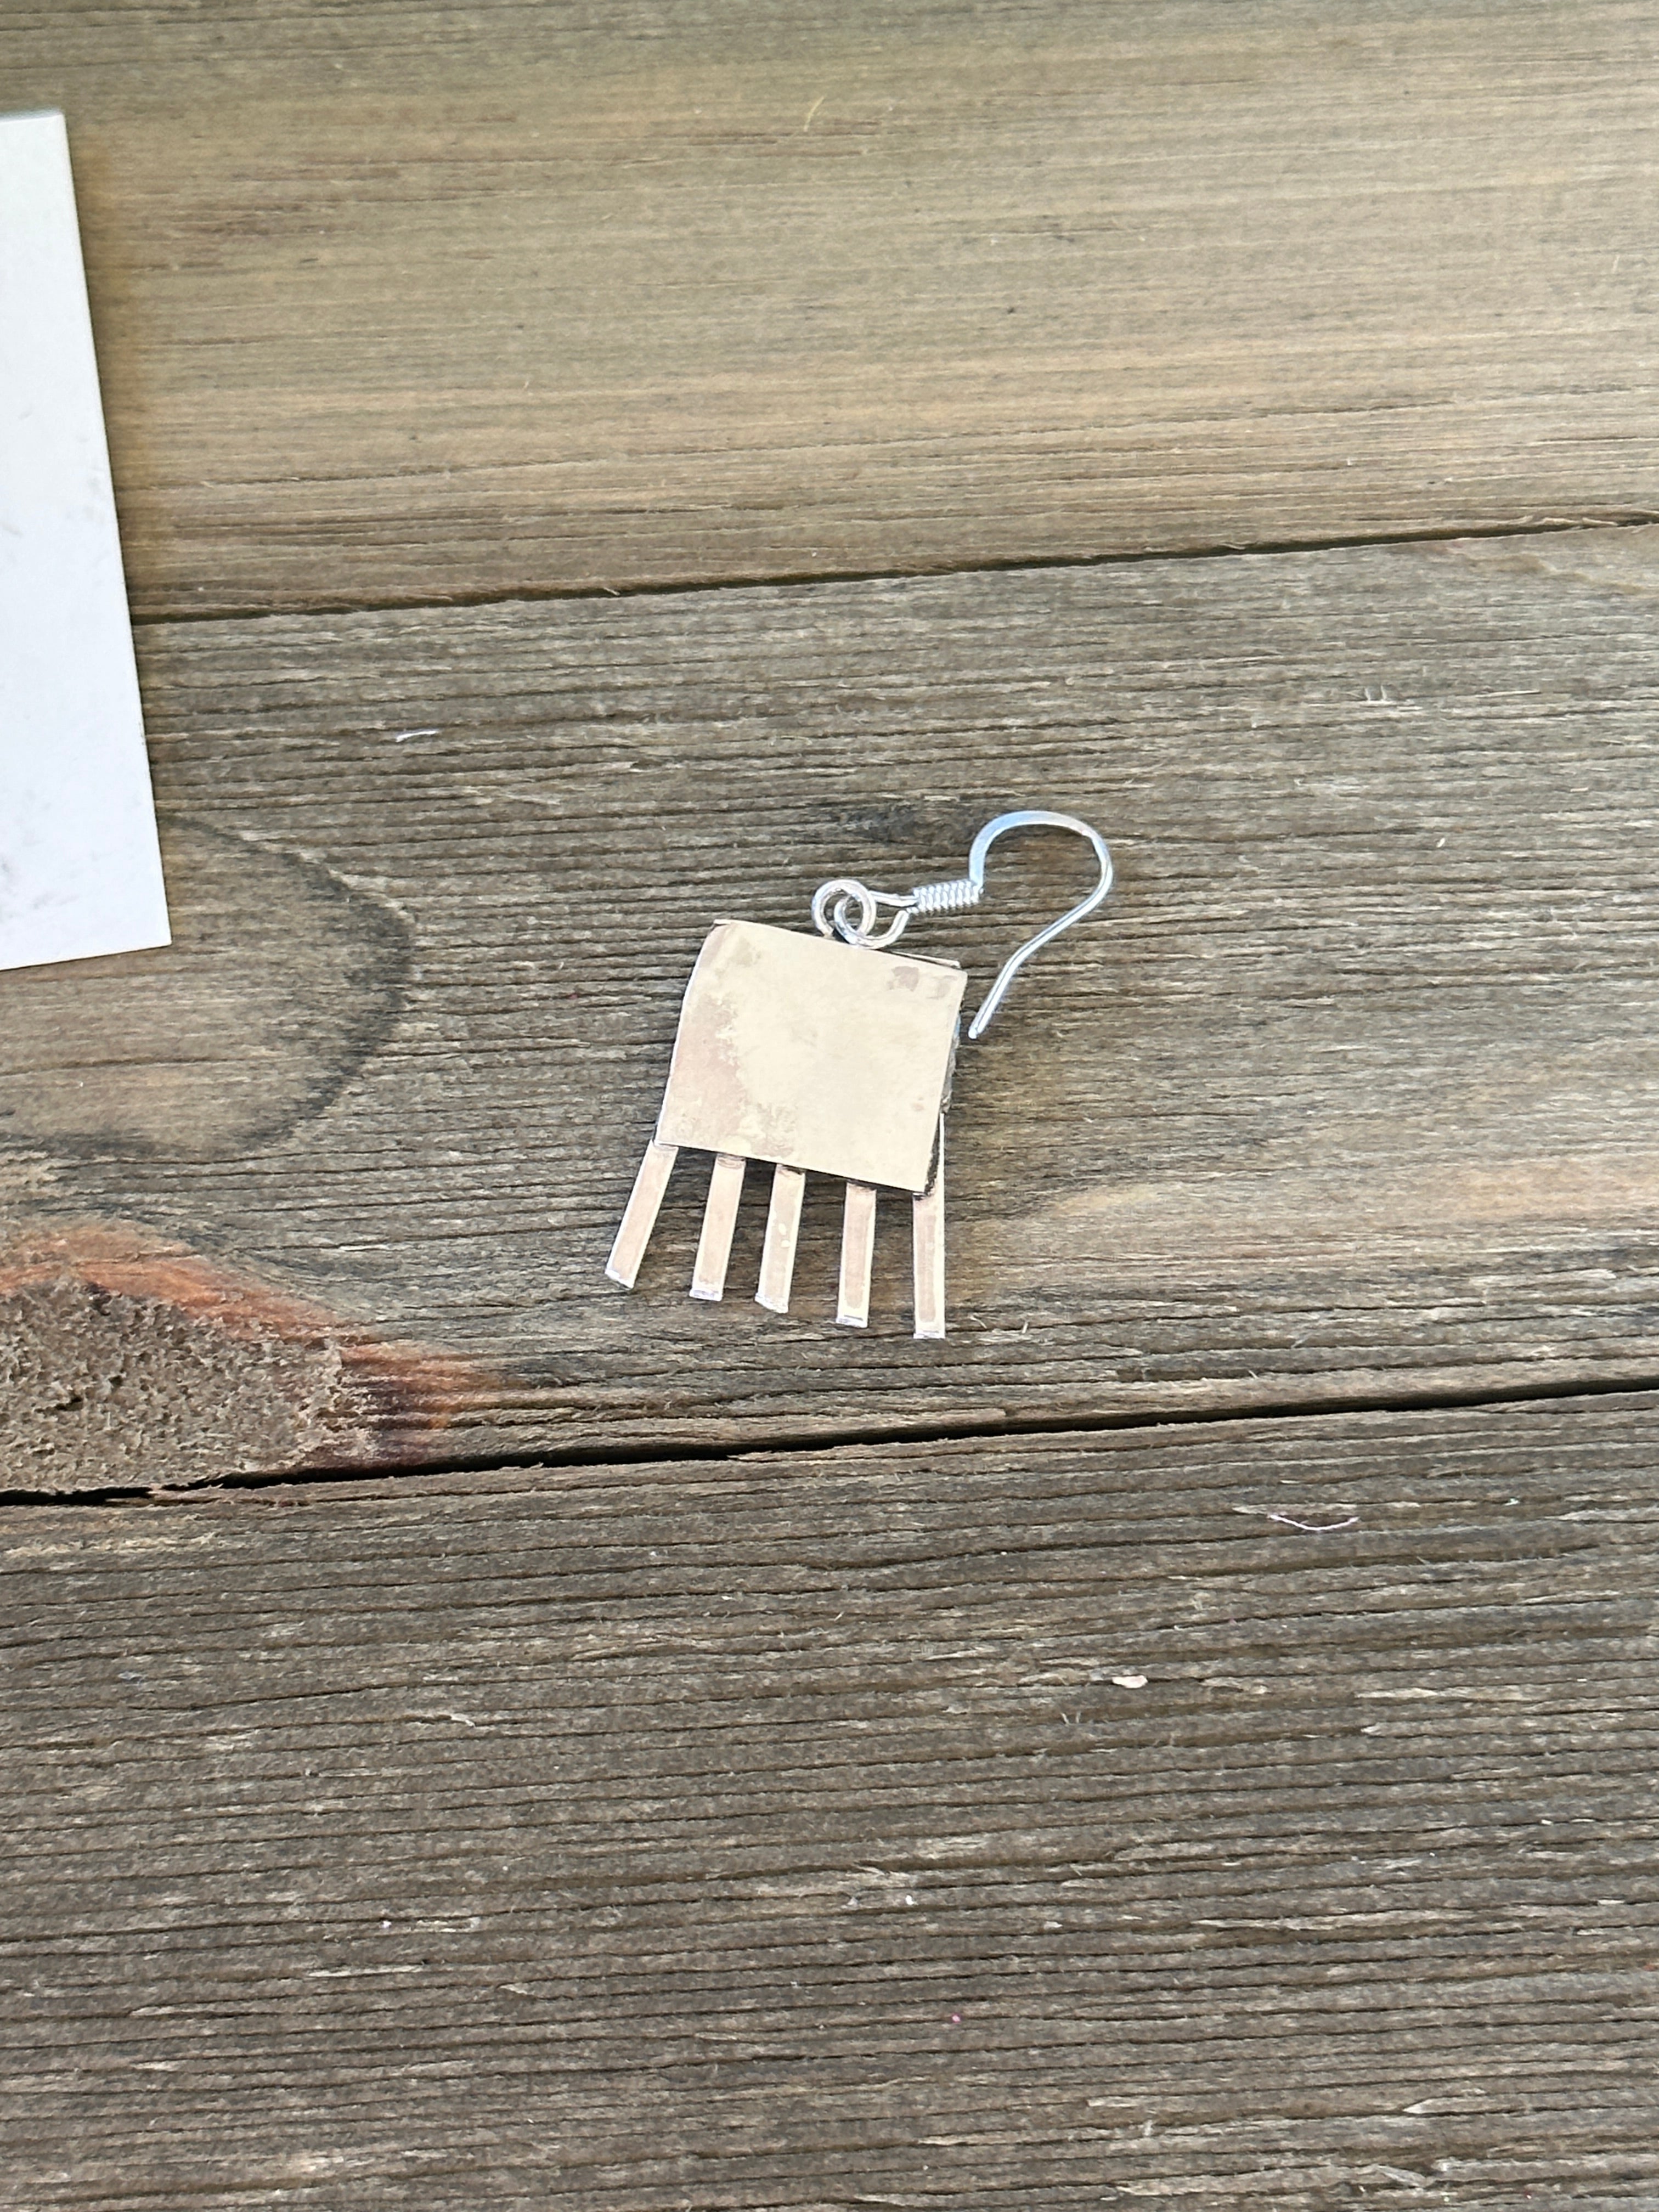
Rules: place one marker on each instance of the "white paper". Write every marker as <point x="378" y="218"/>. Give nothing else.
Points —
<point x="80" y="871"/>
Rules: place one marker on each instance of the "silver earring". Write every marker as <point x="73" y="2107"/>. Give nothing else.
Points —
<point x="828" y="1054"/>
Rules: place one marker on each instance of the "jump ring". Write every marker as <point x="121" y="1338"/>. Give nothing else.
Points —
<point x="842" y="890"/>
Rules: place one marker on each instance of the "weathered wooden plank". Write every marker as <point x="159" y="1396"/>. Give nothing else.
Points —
<point x="1350" y="1091"/>
<point x="1260" y="1811"/>
<point x="424" y="301"/>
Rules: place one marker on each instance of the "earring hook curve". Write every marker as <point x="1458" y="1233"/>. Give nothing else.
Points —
<point x="833" y="902"/>
<point x="1031" y="817"/>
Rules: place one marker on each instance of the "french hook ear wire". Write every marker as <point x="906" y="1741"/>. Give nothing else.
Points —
<point x="1027" y="817"/>
<point x="833" y="904"/>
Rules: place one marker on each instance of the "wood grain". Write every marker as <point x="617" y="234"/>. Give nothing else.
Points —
<point x="425" y="301"/>
<point x="1351" y="1090"/>
<point x="1260" y="1813"/>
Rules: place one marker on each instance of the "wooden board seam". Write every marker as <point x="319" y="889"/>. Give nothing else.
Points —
<point x="793" y="578"/>
<point x="1637" y="1392"/>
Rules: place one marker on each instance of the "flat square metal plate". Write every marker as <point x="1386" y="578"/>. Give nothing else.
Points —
<point x="822" y="1055"/>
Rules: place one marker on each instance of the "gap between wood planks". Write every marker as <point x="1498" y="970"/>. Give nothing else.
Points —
<point x="790" y="579"/>
<point x="1407" y="1401"/>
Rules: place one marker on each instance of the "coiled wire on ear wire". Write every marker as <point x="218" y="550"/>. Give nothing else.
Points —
<point x="946" y="898"/>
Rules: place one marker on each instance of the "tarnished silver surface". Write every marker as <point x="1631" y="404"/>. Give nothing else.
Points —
<point x="813" y="1054"/>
